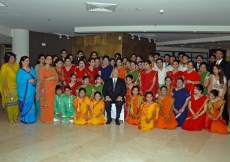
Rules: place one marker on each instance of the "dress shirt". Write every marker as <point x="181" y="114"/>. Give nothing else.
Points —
<point x="161" y="74"/>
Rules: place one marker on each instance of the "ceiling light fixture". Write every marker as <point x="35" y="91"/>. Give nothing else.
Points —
<point x="100" y="7"/>
<point x="139" y="9"/>
<point x="161" y="11"/>
<point x="139" y="38"/>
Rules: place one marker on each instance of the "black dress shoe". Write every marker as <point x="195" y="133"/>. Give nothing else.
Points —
<point x="117" y="122"/>
<point x="109" y="121"/>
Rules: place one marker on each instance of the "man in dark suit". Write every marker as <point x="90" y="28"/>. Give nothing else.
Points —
<point x="226" y="68"/>
<point x="114" y="91"/>
<point x="199" y="59"/>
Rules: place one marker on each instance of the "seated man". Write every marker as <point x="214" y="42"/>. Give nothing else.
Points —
<point x="114" y="91"/>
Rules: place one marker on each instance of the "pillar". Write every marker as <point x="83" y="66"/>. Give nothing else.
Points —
<point x="20" y="43"/>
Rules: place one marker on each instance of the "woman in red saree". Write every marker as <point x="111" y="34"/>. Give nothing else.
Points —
<point x="191" y="77"/>
<point x="129" y="86"/>
<point x="90" y="71"/>
<point x="175" y="73"/>
<point x="80" y="71"/>
<point x="214" y="122"/>
<point x="197" y="106"/>
<point x="67" y="69"/>
<point x="149" y="80"/>
<point x="166" y="119"/>
<point x="73" y="85"/>
<point x="48" y="81"/>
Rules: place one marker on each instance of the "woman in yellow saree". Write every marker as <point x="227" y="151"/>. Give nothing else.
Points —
<point x="97" y="109"/>
<point x="81" y="108"/>
<point x="148" y="113"/>
<point x="8" y="87"/>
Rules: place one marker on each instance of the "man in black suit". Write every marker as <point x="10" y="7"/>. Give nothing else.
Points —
<point x="114" y="91"/>
<point x="199" y="59"/>
<point x="226" y="68"/>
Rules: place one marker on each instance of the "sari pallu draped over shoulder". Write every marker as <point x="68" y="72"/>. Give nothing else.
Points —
<point x="26" y="94"/>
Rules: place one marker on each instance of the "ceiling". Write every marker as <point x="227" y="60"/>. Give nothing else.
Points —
<point x="189" y="22"/>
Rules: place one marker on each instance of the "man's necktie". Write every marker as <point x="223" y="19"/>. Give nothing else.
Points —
<point x="114" y="84"/>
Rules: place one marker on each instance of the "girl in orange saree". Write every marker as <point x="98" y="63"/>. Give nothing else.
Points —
<point x="197" y="106"/>
<point x="134" y="102"/>
<point x="129" y="85"/>
<point x="214" y="122"/>
<point x="81" y="108"/>
<point x="148" y="113"/>
<point x="148" y="80"/>
<point x="48" y="81"/>
<point x="166" y="118"/>
<point x="97" y="109"/>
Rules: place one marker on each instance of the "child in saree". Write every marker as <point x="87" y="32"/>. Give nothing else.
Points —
<point x="148" y="113"/>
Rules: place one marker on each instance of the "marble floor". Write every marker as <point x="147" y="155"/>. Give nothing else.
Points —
<point x="111" y="143"/>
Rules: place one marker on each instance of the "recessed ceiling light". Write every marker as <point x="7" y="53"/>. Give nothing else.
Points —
<point x="100" y="7"/>
<point x="2" y="4"/>
<point x="139" y="9"/>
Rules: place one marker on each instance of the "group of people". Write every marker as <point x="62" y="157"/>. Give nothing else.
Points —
<point x="159" y="92"/>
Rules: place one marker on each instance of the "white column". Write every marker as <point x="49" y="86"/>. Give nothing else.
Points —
<point x="20" y="43"/>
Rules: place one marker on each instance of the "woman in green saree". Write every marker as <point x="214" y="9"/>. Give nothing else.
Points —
<point x="88" y="87"/>
<point x="8" y="87"/>
<point x="204" y="75"/>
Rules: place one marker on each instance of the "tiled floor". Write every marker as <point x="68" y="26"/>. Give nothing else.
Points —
<point x="124" y="143"/>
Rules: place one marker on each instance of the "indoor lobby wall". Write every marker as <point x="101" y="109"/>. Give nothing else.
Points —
<point x="53" y="45"/>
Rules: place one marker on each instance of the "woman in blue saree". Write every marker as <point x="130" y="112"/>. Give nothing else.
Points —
<point x="26" y="86"/>
<point x="181" y="96"/>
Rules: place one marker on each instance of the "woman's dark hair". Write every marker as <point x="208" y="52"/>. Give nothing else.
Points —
<point x="81" y="60"/>
<point x="8" y="55"/>
<point x="67" y="87"/>
<point x="67" y="58"/>
<point x="193" y="63"/>
<point x="117" y="54"/>
<point x="168" y="77"/>
<point x="105" y="57"/>
<point x="85" y="77"/>
<point x="204" y="63"/>
<point x="125" y="58"/>
<point x="214" y="92"/>
<point x="97" y="76"/>
<point x="199" y="87"/>
<point x="119" y="59"/>
<point x="90" y="59"/>
<point x="97" y="92"/>
<point x="163" y="87"/>
<point x="111" y="59"/>
<point x="58" y="87"/>
<point x="140" y="57"/>
<point x="53" y="56"/>
<point x="39" y="57"/>
<point x="92" y="53"/>
<point x="49" y="56"/>
<point x="129" y="76"/>
<point x="72" y="75"/>
<point x="82" y="89"/>
<point x="69" y="55"/>
<point x="148" y="93"/>
<point x="56" y="61"/>
<point x="23" y="58"/>
<point x="148" y="62"/>
<point x="176" y="61"/>
<point x="134" y="88"/>
<point x="133" y="62"/>
<point x="220" y="74"/>
<point x="180" y="79"/>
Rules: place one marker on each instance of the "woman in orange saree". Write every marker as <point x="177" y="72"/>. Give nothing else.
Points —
<point x="134" y="102"/>
<point x="148" y="113"/>
<point x="129" y="85"/>
<point x="214" y="122"/>
<point x="191" y="77"/>
<point x="121" y="69"/>
<point x="81" y="108"/>
<point x="148" y="80"/>
<point x="97" y="109"/>
<point x="197" y="106"/>
<point x="166" y="118"/>
<point x="48" y="81"/>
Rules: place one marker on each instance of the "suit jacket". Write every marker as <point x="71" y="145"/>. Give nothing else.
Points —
<point x="225" y="65"/>
<point x="120" y="88"/>
<point x="196" y="68"/>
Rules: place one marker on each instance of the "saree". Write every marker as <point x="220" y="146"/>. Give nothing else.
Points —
<point x="122" y="72"/>
<point x="66" y="73"/>
<point x="135" y="75"/>
<point x="37" y="104"/>
<point x="96" y="108"/>
<point x="9" y="102"/>
<point x="180" y="96"/>
<point x="60" y="76"/>
<point x="193" y="76"/>
<point x="175" y="76"/>
<point x="80" y="108"/>
<point x="146" y="112"/>
<point x="91" y="74"/>
<point x="80" y="73"/>
<point x="89" y="89"/>
<point x="215" y="84"/>
<point x="197" y="106"/>
<point x="134" y="106"/>
<point x="146" y="82"/>
<point x="26" y="93"/>
<point x="128" y="93"/>
<point x="98" y="89"/>
<point x="203" y="77"/>
<point x="67" y="110"/>
<point x="47" y="93"/>
<point x="165" y="105"/>
<point x="219" y="125"/>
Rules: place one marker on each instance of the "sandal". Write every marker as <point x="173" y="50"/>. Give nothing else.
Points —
<point x="11" y="122"/>
<point x="16" y="121"/>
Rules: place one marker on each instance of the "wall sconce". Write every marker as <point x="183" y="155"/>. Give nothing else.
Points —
<point x="139" y="38"/>
<point x="60" y="36"/>
<point x="67" y="37"/>
<point x="149" y="40"/>
<point x="132" y="36"/>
